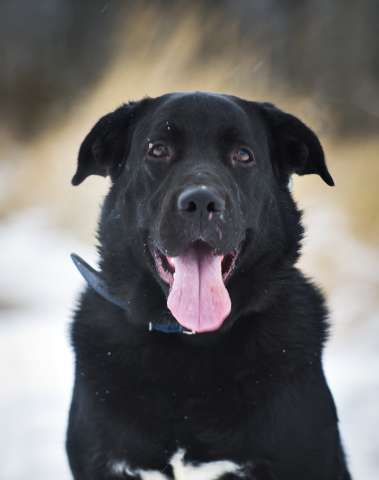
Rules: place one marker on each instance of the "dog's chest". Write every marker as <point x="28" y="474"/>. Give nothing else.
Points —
<point x="185" y="398"/>
<point x="195" y="409"/>
<point x="177" y="468"/>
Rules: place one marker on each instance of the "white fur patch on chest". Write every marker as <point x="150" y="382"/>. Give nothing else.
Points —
<point x="182" y="470"/>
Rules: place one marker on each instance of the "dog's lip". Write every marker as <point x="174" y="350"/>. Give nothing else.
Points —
<point x="165" y="264"/>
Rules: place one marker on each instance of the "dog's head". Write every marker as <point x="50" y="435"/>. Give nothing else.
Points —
<point x="199" y="199"/>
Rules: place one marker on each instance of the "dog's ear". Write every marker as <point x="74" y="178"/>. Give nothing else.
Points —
<point x="103" y="151"/>
<point x="296" y="147"/>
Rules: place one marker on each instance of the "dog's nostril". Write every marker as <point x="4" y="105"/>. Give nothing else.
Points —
<point x="191" y="207"/>
<point x="217" y="206"/>
<point x="200" y="198"/>
<point x="211" y="207"/>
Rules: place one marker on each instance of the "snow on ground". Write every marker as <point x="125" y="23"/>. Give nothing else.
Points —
<point x="37" y="364"/>
<point x="36" y="367"/>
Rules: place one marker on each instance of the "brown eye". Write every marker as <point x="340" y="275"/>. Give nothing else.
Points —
<point x="159" y="150"/>
<point x="243" y="156"/>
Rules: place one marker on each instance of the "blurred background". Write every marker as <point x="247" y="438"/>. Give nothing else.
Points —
<point x="64" y="64"/>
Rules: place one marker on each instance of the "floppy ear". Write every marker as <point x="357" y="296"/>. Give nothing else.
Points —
<point x="104" y="148"/>
<point x="296" y="147"/>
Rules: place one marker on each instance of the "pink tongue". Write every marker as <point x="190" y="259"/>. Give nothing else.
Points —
<point x="198" y="298"/>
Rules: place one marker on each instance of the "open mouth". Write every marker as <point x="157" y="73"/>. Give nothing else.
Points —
<point x="198" y="297"/>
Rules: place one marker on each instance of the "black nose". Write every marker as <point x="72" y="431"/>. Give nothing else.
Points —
<point x="200" y="199"/>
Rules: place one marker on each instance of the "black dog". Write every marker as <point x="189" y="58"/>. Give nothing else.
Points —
<point x="199" y="344"/>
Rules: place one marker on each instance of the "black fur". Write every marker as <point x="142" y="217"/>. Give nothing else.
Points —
<point x="252" y="392"/>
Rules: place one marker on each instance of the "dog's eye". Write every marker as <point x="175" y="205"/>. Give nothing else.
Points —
<point x="159" y="150"/>
<point x="242" y="156"/>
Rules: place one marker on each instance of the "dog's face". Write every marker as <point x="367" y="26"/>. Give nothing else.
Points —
<point x="199" y="198"/>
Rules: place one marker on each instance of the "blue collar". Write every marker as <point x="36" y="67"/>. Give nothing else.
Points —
<point x="97" y="283"/>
